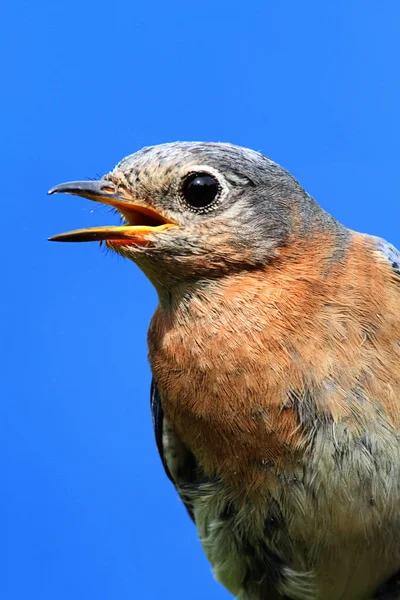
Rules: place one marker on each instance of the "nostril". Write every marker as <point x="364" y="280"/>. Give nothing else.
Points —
<point x="108" y="189"/>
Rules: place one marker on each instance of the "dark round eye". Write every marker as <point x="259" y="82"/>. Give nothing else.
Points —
<point x="200" y="189"/>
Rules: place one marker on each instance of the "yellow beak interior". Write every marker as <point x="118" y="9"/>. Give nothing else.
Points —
<point x="141" y="218"/>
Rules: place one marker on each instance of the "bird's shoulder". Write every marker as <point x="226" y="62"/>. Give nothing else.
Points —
<point x="388" y="252"/>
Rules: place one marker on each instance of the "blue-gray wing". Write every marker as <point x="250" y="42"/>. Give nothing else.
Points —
<point x="157" y="414"/>
<point x="390" y="590"/>
<point x="391" y="254"/>
<point x="179" y="463"/>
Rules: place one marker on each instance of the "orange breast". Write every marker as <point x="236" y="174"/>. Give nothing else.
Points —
<point x="250" y="362"/>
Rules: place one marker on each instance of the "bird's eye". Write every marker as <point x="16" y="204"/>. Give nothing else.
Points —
<point x="200" y="190"/>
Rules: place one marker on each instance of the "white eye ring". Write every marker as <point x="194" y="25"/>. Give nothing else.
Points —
<point x="197" y="172"/>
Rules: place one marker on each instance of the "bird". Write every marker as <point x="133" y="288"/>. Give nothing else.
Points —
<point x="275" y="354"/>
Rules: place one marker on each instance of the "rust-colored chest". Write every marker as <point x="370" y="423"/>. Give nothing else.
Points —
<point x="245" y="364"/>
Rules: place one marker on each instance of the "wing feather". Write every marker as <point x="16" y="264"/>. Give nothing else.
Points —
<point x="179" y="463"/>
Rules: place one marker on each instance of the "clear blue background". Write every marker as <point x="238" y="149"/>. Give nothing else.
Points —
<point x="87" y="510"/>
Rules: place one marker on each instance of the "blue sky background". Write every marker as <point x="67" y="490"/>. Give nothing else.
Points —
<point x="87" y="510"/>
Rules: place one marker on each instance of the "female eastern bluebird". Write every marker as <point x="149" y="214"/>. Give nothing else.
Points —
<point x="275" y="352"/>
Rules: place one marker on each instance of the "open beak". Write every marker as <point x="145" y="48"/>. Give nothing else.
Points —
<point x="141" y="219"/>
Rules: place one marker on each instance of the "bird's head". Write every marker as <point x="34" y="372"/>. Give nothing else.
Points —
<point x="195" y="210"/>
